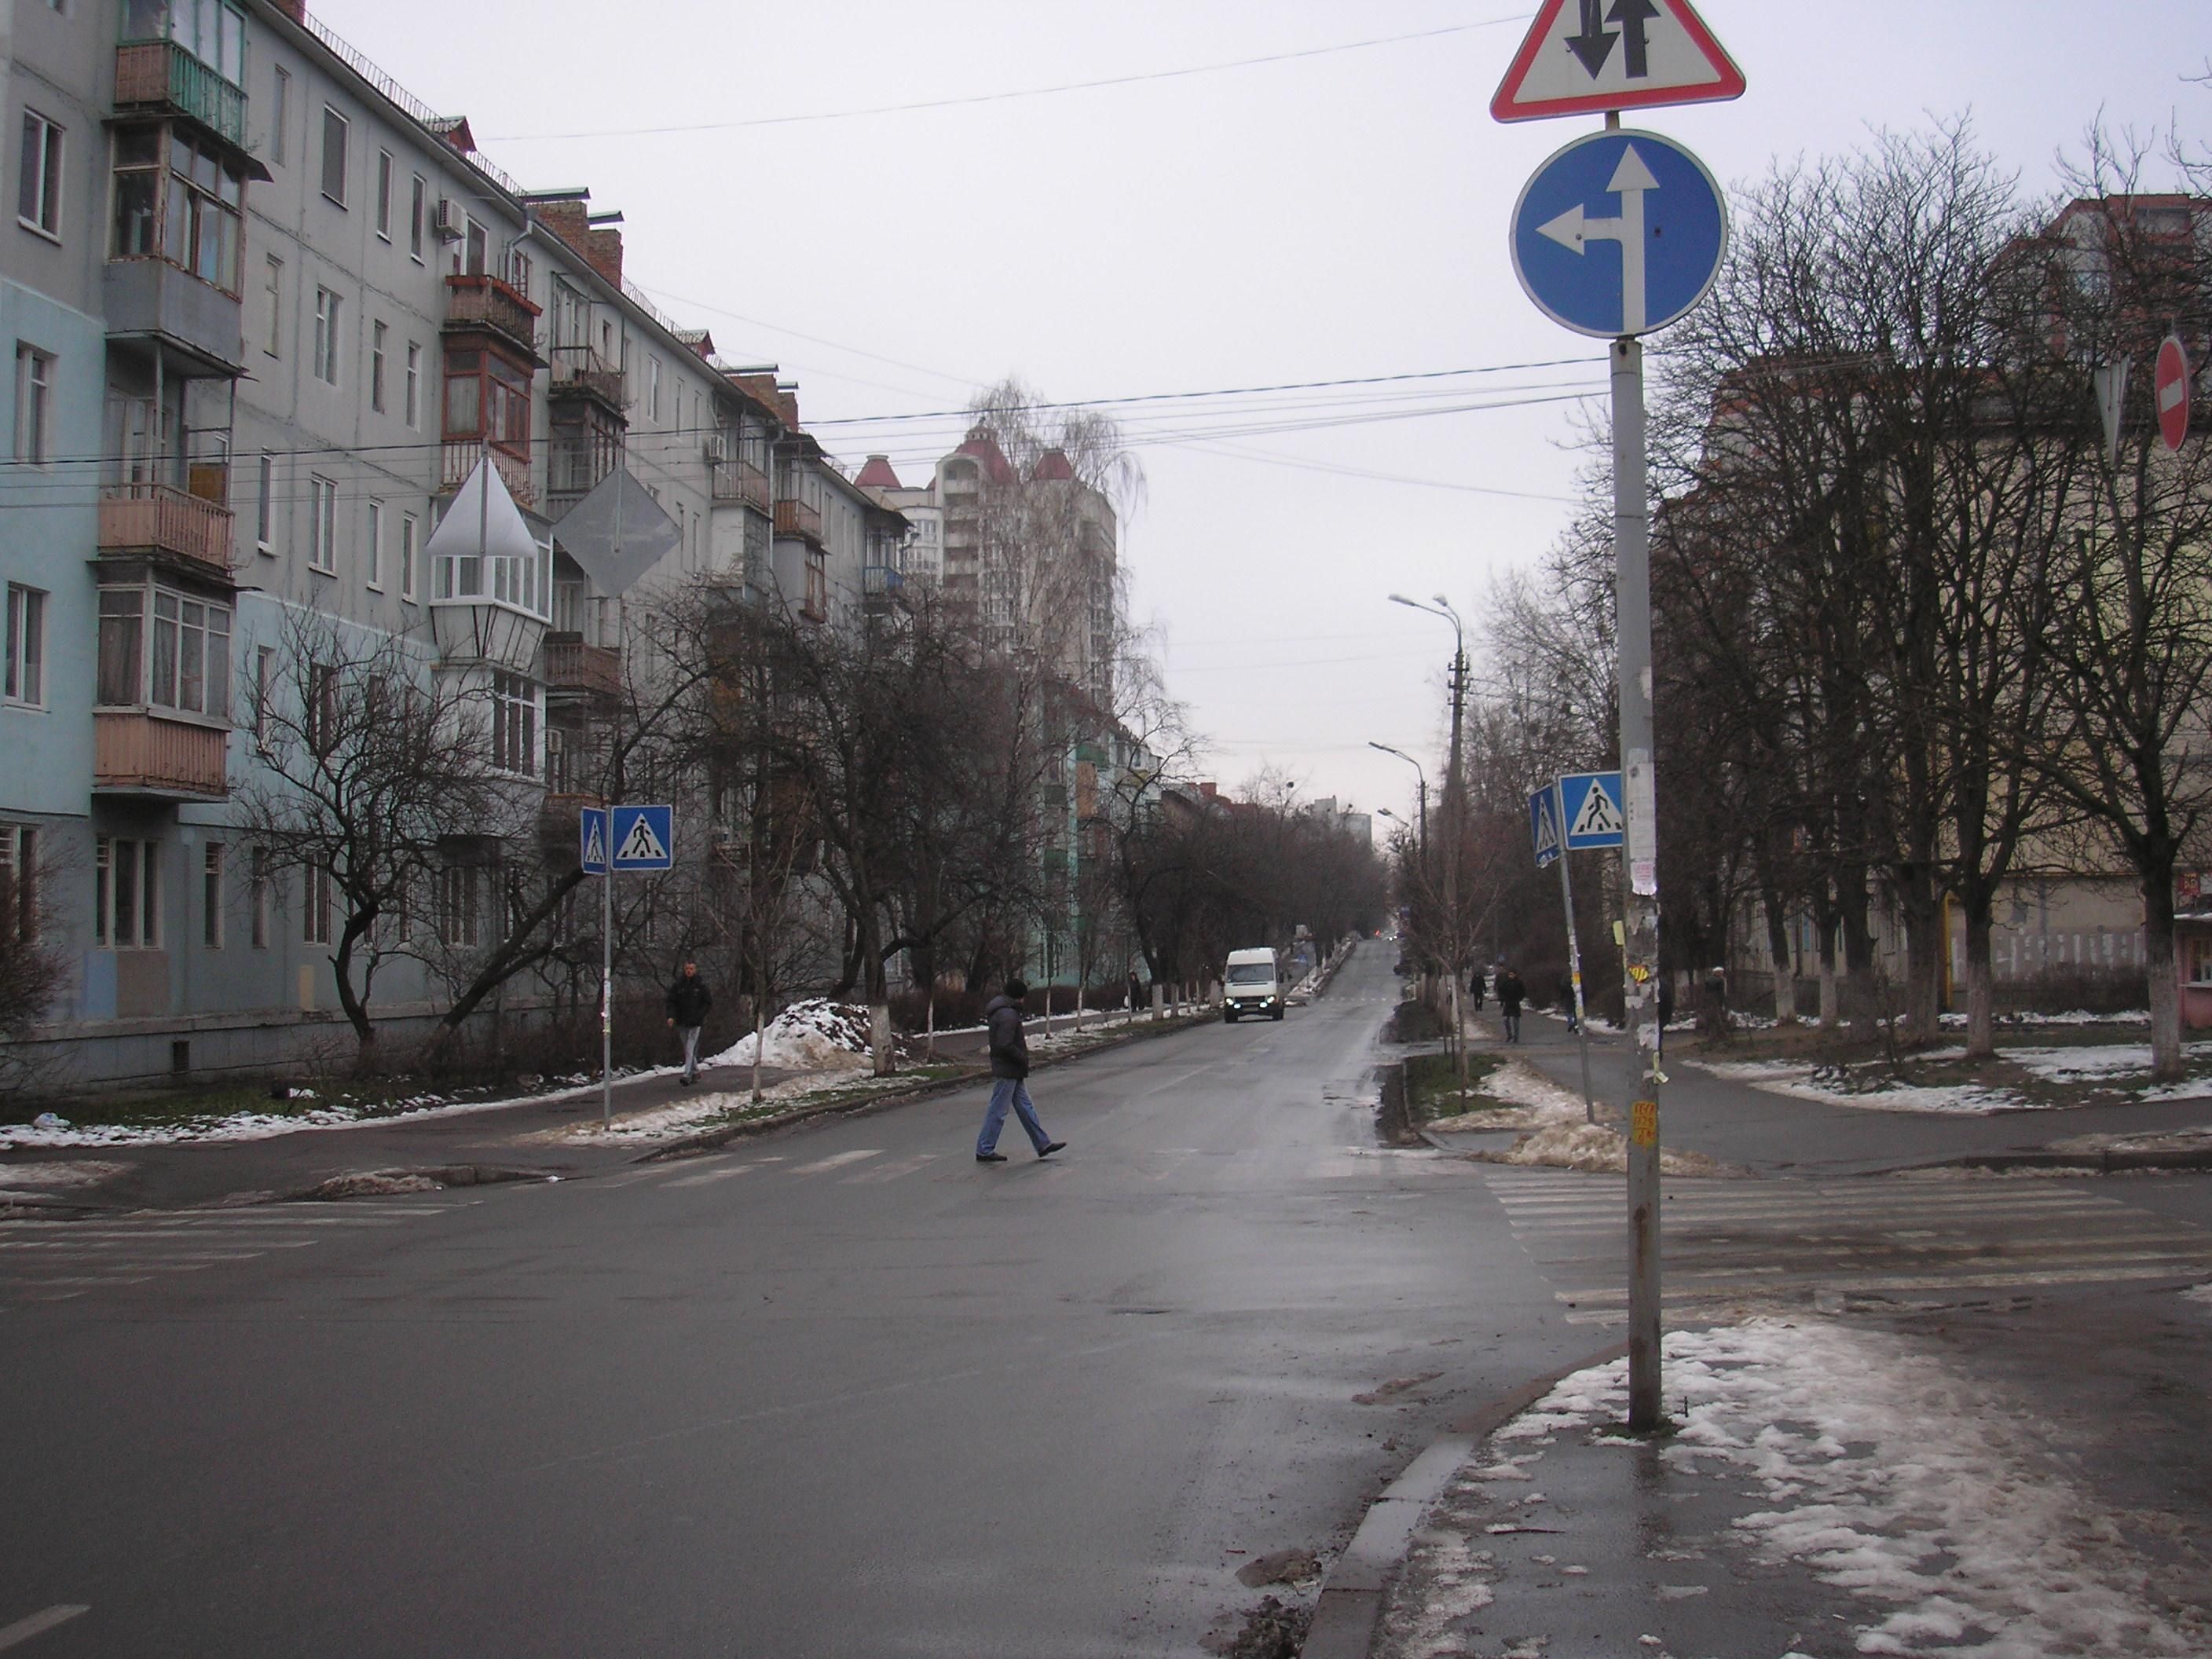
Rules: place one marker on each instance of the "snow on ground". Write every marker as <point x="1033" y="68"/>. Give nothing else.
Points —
<point x="1560" y="1135"/>
<point x="1803" y="1081"/>
<point x="808" y="1035"/>
<point x="2197" y="1138"/>
<point x="2079" y="1064"/>
<point x="2071" y="1017"/>
<point x="77" y="1172"/>
<point x="699" y="1111"/>
<point x="2199" y="1293"/>
<point x="1897" y="1479"/>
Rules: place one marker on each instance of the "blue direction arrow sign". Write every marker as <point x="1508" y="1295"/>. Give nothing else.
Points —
<point x="592" y="831"/>
<point x="1590" y="807"/>
<point x="1618" y="233"/>
<point x="1544" y="825"/>
<point x="642" y="837"/>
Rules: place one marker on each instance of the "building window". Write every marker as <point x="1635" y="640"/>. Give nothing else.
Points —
<point x="653" y="388"/>
<point x="413" y="394"/>
<point x="384" y="194"/>
<point x="189" y="666"/>
<point x="418" y="210"/>
<point x="211" y="896"/>
<point x="329" y="308"/>
<point x="126" y="892"/>
<point x="257" y="902"/>
<point x="519" y="271"/>
<point x="337" y="130"/>
<point x="377" y="332"/>
<point x="317" y="881"/>
<point x="322" y="525"/>
<point x="272" y="289"/>
<point x="488" y="400"/>
<point x="408" y="531"/>
<point x="180" y="200"/>
<point x="514" y="724"/>
<point x="35" y="405"/>
<point x="322" y="710"/>
<point x="39" y="197"/>
<point x="475" y="249"/>
<point x="457" y="904"/>
<point x="19" y="881"/>
<point x="264" y="503"/>
<point x="280" y="112"/>
<point x="265" y="691"/>
<point x="375" y="533"/>
<point x="26" y="644"/>
<point x="816" y="607"/>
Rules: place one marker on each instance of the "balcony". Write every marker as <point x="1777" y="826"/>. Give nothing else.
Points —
<point x="474" y="303"/>
<point x="795" y="518"/>
<point x="150" y="299"/>
<point x="461" y="456"/>
<point x="135" y="753"/>
<point x="741" y="481"/>
<point x="578" y="669"/>
<point x="160" y="76"/>
<point x="161" y="518"/>
<point x="580" y="372"/>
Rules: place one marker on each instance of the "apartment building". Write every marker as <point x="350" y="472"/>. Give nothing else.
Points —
<point x="270" y="316"/>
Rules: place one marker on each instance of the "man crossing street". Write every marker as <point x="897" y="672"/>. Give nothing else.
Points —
<point x="1010" y="1070"/>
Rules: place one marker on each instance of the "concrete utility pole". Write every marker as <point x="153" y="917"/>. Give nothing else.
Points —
<point x="1440" y="606"/>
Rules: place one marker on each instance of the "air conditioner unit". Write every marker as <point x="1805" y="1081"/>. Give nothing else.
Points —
<point x="717" y="450"/>
<point x="449" y="221"/>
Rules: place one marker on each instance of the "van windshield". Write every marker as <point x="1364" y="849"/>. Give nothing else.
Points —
<point x="1251" y="973"/>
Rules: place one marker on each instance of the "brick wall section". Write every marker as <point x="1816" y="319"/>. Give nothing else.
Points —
<point x="601" y="249"/>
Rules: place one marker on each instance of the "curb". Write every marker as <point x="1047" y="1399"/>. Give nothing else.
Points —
<point x="1350" y="1602"/>
<point x="2105" y="1163"/>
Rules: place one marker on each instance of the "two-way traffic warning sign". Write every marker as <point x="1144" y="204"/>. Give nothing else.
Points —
<point x="1599" y="55"/>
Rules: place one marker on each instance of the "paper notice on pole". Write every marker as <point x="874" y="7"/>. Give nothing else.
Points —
<point x="1642" y="823"/>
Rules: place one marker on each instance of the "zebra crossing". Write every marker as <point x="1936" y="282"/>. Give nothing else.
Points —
<point x="48" y="1261"/>
<point x="1737" y="1244"/>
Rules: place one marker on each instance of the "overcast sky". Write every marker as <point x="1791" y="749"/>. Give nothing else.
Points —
<point x="1335" y="216"/>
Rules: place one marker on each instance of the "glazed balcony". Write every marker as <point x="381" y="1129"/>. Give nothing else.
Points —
<point x="580" y="372"/>
<point x="795" y="518"/>
<point x="742" y="482"/>
<point x="483" y="303"/>
<point x="161" y="518"/>
<point x="572" y="667"/>
<point x="137" y="753"/>
<point x="160" y="77"/>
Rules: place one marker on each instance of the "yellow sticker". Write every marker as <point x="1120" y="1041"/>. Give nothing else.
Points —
<point x="1643" y="1123"/>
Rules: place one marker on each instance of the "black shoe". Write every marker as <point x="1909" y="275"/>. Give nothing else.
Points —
<point x="1052" y="1147"/>
<point x="990" y="1158"/>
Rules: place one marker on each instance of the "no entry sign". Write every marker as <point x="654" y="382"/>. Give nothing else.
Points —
<point x="2170" y="385"/>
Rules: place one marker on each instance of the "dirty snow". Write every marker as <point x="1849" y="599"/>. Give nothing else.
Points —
<point x="1798" y="1080"/>
<point x="1594" y="1146"/>
<point x="2199" y="1293"/>
<point x="77" y="1172"/>
<point x="809" y="1036"/>
<point x="2070" y="1017"/>
<point x="1899" y="1479"/>
<point x="698" y="1111"/>
<point x="2193" y="1140"/>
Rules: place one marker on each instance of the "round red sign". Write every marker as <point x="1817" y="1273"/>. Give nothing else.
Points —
<point x="2170" y="385"/>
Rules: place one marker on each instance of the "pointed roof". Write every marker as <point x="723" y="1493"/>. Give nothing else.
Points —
<point x="877" y="474"/>
<point x="983" y="444"/>
<point x="1053" y="464"/>
<point x="483" y="520"/>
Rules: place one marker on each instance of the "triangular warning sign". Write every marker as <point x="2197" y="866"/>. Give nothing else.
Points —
<point x="595" y="847"/>
<point x="1598" y="816"/>
<point x="1583" y="56"/>
<point x="640" y="845"/>
<point x="1548" y="833"/>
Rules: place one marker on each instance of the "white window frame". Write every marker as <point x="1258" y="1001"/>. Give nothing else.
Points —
<point x="378" y="334"/>
<point x="334" y="123"/>
<point x="418" y="211"/>
<point x="386" y="170"/>
<point x="280" y="107"/>
<point x="375" y="531"/>
<point x="19" y="862"/>
<point x="410" y="555"/>
<point x="330" y="316"/>
<point x="112" y="855"/>
<point x="413" y="399"/>
<point x="38" y="182"/>
<point x="517" y="717"/>
<point x="322" y="524"/>
<point x="264" y="505"/>
<point x="27" y="646"/>
<point x="315" y="894"/>
<point x="272" y="284"/>
<point x="35" y="405"/>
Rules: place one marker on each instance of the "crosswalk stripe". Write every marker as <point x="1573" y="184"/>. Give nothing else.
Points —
<point x="883" y="1172"/>
<point x="704" y="1177"/>
<point x="836" y="1161"/>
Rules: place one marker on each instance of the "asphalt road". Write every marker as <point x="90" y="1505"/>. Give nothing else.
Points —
<point x="839" y="1392"/>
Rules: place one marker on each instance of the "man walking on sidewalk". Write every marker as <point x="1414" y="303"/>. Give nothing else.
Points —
<point x="1010" y="1069"/>
<point x="1510" y="992"/>
<point x="689" y="999"/>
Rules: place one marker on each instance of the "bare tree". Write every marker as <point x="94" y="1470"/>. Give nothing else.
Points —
<point x="33" y="965"/>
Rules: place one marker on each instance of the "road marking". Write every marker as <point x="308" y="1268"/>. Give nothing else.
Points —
<point x="883" y="1172"/>
<point x="836" y="1161"/>
<point x="39" y="1623"/>
<point x="706" y="1175"/>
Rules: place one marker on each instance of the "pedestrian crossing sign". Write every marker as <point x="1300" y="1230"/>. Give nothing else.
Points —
<point x="1544" y="825"/>
<point x="1591" y="803"/>
<point x="593" y="830"/>
<point x="644" y="837"/>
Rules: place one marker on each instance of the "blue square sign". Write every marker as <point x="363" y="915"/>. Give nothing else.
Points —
<point x="1590" y="809"/>
<point x="641" y="837"/>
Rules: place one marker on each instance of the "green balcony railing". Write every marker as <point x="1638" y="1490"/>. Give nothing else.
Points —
<point x="162" y="75"/>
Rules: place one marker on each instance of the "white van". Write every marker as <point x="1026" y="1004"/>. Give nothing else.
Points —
<point x="1252" y="985"/>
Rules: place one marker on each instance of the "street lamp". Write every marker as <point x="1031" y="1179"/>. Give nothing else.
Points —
<point x="1441" y="607"/>
<point x="1422" y="779"/>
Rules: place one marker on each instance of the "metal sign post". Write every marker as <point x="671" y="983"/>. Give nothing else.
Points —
<point x="1547" y="813"/>
<point x="615" y="839"/>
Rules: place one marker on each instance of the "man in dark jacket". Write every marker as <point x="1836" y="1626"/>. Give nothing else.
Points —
<point x="1510" y="994"/>
<point x="689" y="999"/>
<point x="1010" y="1067"/>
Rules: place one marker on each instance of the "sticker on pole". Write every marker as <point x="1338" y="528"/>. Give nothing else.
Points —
<point x="1593" y="56"/>
<point x="1594" y="813"/>
<point x="644" y="837"/>
<point x="1544" y="825"/>
<point x="592" y="831"/>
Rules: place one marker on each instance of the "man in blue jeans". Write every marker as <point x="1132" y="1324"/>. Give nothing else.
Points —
<point x="1010" y="1067"/>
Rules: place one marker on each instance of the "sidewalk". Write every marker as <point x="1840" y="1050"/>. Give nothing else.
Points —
<point x="1843" y="1485"/>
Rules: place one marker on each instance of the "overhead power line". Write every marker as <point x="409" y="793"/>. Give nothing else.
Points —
<point x="1012" y="95"/>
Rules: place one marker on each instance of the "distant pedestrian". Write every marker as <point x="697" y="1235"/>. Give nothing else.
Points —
<point x="1136" y="993"/>
<point x="689" y="999"/>
<point x="1511" y="993"/>
<point x="1475" y="987"/>
<point x="1567" y="1003"/>
<point x="1010" y="1068"/>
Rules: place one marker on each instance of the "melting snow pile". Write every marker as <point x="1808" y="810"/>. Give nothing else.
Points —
<point x="1803" y="1081"/>
<point x="1596" y="1146"/>
<point x="1899" y="1480"/>
<point x="812" y="1036"/>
